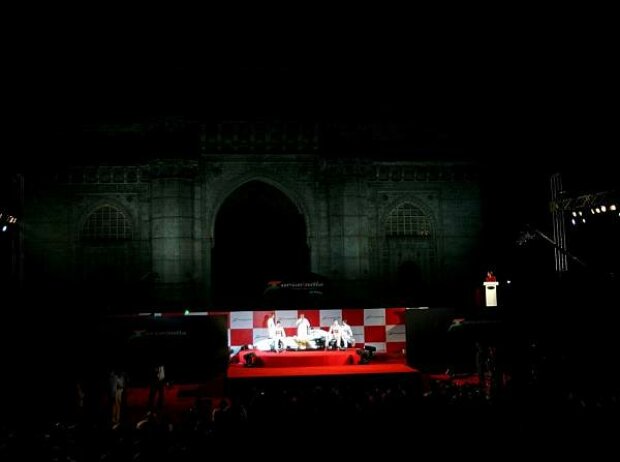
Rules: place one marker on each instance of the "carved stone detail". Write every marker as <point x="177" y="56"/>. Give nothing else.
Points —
<point x="173" y="168"/>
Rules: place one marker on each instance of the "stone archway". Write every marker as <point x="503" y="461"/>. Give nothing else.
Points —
<point x="105" y="251"/>
<point x="259" y="235"/>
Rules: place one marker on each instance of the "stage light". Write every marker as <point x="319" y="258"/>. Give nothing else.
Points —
<point x="4" y="228"/>
<point x="186" y="313"/>
<point x="583" y="220"/>
<point x="580" y="213"/>
<point x="574" y="213"/>
<point x="573" y="221"/>
<point x="612" y="207"/>
<point x="598" y="210"/>
<point x="603" y="208"/>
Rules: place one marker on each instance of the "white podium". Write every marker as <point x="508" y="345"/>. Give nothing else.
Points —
<point x="490" y="293"/>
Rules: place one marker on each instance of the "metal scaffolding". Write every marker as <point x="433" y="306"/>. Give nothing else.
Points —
<point x="559" y="227"/>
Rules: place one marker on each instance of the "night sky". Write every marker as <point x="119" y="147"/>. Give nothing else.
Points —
<point x="512" y="97"/>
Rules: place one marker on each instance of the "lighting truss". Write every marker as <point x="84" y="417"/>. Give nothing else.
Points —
<point x="584" y="202"/>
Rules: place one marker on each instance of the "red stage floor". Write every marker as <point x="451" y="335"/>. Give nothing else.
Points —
<point x="314" y="363"/>
<point x="302" y="358"/>
<point x="240" y="372"/>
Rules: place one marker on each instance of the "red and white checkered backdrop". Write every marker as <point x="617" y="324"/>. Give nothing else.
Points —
<point x="383" y="328"/>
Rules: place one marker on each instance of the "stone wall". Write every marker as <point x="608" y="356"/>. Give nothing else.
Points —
<point x="172" y="206"/>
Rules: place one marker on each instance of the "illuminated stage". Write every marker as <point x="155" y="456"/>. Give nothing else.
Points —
<point x="301" y="358"/>
<point x="313" y="363"/>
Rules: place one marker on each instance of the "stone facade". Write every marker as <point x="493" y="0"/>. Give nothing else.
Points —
<point x="148" y="230"/>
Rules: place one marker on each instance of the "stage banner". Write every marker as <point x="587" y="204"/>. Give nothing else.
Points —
<point x="374" y="317"/>
<point x="382" y="328"/>
<point x="241" y="320"/>
<point x="328" y="316"/>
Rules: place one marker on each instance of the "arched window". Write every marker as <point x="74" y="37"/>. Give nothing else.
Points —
<point x="106" y="223"/>
<point x="407" y="220"/>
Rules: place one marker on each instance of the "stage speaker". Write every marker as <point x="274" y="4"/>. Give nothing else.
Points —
<point x="371" y="350"/>
<point x="428" y="344"/>
<point x="364" y="355"/>
<point x="250" y="360"/>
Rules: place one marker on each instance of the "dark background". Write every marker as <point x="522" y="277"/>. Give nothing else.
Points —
<point x="524" y="98"/>
<point x="524" y="95"/>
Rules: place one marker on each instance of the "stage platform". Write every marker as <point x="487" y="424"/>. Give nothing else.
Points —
<point x="313" y="363"/>
<point x="307" y="358"/>
<point x="240" y="372"/>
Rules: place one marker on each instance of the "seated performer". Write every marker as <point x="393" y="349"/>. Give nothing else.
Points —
<point x="335" y="332"/>
<point x="280" y="335"/>
<point x="347" y="334"/>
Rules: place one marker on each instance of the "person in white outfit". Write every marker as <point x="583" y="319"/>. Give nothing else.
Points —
<point x="303" y="332"/>
<point x="271" y="330"/>
<point x="280" y="335"/>
<point x="335" y="333"/>
<point x="303" y="327"/>
<point x="347" y="334"/>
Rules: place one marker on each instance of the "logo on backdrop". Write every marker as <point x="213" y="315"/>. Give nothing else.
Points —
<point x="159" y="333"/>
<point x="241" y="319"/>
<point x="396" y="333"/>
<point x="312" y="287"/>
<point x="374" y="317"/>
